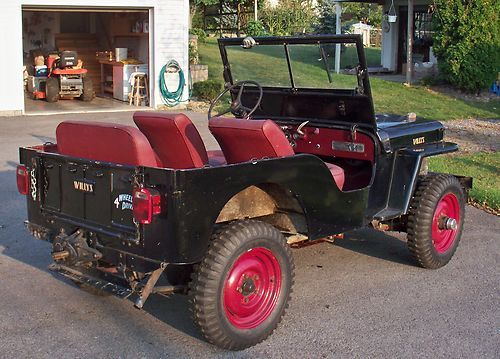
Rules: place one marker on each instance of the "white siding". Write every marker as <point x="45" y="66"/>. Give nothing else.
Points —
<point x="169" y="33"/>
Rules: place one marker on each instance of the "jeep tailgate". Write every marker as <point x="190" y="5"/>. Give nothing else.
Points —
<point x="94" y="193"/>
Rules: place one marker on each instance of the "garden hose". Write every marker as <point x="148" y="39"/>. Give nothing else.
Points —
<point x="173" y="98"/>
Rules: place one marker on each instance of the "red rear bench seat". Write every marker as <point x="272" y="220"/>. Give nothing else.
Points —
<point x="105" y="142"/>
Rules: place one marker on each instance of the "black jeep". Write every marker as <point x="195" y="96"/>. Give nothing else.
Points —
<point x="147" y="209"/>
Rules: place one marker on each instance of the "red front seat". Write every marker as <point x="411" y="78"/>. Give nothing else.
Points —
<point x="245" y="140"/>
<point x="176" y="140"/>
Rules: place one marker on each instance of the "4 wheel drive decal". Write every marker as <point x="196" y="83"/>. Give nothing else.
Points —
<point x="123" y="201"/>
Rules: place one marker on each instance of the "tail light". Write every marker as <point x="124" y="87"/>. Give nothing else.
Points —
<point x="22" y="179"/>
<point x="146" y="203"/>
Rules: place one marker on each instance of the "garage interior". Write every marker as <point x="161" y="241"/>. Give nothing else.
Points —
<point x="98" y="37"/>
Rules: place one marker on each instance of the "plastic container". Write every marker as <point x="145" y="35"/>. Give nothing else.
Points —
<point x="121" y="53"/>
<point x="392" y="18"/>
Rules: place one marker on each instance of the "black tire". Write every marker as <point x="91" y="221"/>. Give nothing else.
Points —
<point x="52" y="89"/>
<point x="88" y="90"/>
<point x="233" y="248"/>
<point x="437" y="197"/>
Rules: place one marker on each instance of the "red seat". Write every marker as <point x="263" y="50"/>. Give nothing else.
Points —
<point x="176" y="140"/>
<point x="337" y="173"/>
<point x="245" y="140"/>
<point x="106" y="142"/>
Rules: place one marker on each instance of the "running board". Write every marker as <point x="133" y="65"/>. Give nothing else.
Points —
<point x="84" y="278"/>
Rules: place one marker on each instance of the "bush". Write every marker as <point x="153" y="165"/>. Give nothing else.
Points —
<point x="207" y="90"/>
<point x="255" y="28"/>
<point x="467" y="42"/>
<point x="202" y="35"/>
<point x="289" y="17"/>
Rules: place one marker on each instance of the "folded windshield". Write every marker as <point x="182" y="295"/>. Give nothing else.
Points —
<point x="295" y="65"/>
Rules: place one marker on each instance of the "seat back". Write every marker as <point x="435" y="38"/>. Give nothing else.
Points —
<point x="244" y="140"/>
<point x="106" y="142"/>
<point x="174" y="138"/>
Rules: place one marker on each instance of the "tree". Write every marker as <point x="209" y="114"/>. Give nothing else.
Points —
<point x="467" y="42"/>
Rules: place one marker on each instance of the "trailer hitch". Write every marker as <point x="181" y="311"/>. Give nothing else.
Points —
<point x="73" y="249"/>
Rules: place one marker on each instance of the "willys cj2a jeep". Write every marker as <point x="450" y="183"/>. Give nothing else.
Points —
<point x="135" y="211"/>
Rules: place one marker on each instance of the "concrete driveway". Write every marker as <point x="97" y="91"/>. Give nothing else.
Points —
<point x="361" y="297"/>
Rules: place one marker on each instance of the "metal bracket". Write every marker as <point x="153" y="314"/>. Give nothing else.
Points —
<point x="148" y="288"/>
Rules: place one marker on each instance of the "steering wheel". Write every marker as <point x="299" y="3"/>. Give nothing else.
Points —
<point x="237" y="107"/>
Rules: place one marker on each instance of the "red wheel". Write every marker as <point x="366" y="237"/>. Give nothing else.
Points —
<point x="435" y="220"/>
<point x="445" y="223"/>
<point x="252" y="288"/>
<point x="241" y="289"/>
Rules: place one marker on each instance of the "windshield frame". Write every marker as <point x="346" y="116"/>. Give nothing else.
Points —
<point x="363" y="82"/>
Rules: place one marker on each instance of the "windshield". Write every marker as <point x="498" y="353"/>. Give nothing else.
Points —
<point x="311" y="65"/>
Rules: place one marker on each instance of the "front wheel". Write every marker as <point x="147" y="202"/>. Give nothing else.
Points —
<point x="435" y="220"/>
<point x="241" y="289"/>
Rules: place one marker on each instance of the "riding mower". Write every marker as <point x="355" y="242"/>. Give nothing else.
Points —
<point x="63" y="76"/>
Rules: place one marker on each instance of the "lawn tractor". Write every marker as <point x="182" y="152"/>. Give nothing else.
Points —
<point x="62" y="76"/>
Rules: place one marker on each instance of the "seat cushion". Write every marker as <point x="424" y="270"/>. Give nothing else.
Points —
<point x="106" y="142"/>
<point x="337" y="174"/>
<point x="174" y="138"/>
<point x="244" y="140"/>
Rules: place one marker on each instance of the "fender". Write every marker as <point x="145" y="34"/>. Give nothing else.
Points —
<point x="403" y="180"/>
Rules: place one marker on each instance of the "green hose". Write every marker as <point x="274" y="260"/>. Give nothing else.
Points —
<point x="173" y="98"/>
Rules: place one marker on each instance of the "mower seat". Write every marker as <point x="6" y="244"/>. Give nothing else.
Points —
<point x="246" y="140"/>
<point x="176" y="140"/>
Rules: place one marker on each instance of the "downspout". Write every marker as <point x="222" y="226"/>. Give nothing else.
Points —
<point x="409" y="44"/>
<point x="338" y="31"/>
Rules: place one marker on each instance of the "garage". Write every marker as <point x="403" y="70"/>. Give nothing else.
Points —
<point x="82" y="57"/>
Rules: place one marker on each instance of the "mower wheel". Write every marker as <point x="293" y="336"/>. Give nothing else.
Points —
<point x="52" y="89"/>
<point x="88" y="90"/>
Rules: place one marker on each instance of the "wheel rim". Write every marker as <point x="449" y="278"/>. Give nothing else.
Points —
<point x="252" y="288"/>
<point x="444" y="229"/>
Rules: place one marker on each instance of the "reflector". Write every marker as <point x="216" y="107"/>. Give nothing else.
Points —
<point x="22" y="179"/>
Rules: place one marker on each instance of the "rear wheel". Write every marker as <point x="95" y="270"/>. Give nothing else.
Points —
<point x="241" y="289"/>
<point x="435" y="220"/>
<point x="52" y="89"/>
<point x="88" y="90"/>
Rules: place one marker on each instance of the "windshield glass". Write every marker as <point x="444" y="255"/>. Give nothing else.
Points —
<point x="266" y="65"/>
<point x="312" y="65"/>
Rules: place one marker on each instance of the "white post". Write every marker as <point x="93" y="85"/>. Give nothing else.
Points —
<point x="338" y="31"/>
<point x="255" y="17"/>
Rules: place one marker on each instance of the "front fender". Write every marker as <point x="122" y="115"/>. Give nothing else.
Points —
<point x="407" y="163"/>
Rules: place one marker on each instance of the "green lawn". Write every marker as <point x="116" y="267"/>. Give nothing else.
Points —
<point x="483" y="167"/>
<point x="388" y="96"/>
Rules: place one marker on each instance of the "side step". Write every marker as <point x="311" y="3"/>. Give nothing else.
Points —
<point x="85" y="278"/>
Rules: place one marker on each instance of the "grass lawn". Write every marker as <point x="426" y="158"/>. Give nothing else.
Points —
<point x="483" y="167"/>
<point x="388" y="96"/>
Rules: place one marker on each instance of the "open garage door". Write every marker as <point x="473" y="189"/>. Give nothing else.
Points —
<point x="96" y="36"/>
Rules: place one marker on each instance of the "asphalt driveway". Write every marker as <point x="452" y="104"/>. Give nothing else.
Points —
<point x="361" y="297"/>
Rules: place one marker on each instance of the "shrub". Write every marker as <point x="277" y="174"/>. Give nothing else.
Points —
<point x="467" y="42"/>
<point x="207" y="90"/>
<point x="255" y="28"/>
<point x="202" y="35"/>
<point x="289" y="17"/>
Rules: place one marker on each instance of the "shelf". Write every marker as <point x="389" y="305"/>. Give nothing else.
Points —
<point x="132" y="34"/>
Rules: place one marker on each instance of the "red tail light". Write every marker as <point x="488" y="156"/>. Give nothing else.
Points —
<point x="145" y="203"/>
<point x="22" y="179"/>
